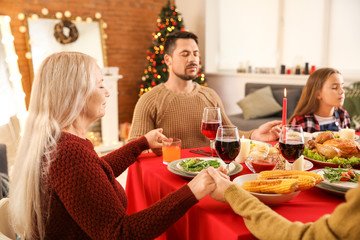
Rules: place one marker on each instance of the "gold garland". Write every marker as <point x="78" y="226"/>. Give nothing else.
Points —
<point x="59" y="33"/>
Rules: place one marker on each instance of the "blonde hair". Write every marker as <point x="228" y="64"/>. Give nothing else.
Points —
<point x="59" y="93"/>
<point x="308" y="102"/>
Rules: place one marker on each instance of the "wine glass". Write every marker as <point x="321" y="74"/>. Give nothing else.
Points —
<point x="291" y="142"/>
<point x="227" y="143"/>
<point x="211" y="120"/>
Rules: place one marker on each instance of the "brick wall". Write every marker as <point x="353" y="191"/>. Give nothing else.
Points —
<point x="130" y="25"/>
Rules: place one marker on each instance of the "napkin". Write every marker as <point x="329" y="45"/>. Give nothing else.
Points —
<point x="298" y="165"/>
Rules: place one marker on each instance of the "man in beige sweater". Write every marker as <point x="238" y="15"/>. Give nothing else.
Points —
<point x="264" y="223"/>
<point x="177" y="105"/>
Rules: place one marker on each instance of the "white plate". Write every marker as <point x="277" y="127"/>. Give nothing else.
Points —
<point x="330" y="189"/>
<point x="268" y="199"/>
<point x="172" y="167"/>
<point x="222" y="163"/>
<point x="343" y="186"/>
<point x="314" y="135"/>
<point x="308" y="165"/>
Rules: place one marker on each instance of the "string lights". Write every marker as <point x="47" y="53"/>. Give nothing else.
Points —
<point x="61" y="15"/>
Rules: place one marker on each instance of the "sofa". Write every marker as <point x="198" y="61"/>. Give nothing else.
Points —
<point x="277" y="91"/>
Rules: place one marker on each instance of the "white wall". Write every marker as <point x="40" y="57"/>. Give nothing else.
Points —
<point x="321" y="32"/>
<point x="193" y="13"/>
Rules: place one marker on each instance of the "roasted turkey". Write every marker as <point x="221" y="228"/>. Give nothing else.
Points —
<point x="330" y="147"/>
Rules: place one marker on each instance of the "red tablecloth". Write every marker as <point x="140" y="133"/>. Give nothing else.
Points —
<point x="149" y="180"/>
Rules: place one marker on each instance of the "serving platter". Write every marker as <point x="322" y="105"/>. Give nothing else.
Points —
<point x="314" y="135"/>
<point x="175" y="167"/>
<point x="328" y="164"/>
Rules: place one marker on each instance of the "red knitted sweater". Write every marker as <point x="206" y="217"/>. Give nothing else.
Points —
<point x="87" y="202"/>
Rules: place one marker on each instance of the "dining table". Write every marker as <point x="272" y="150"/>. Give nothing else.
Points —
<point x="149" y="180"/>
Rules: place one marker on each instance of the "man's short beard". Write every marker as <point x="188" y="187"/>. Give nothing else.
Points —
<point x="184" y="77"/>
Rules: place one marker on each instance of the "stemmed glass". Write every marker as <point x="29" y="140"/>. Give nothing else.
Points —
<point x="227" y="143"/>
<point x="291" y="142"/>
<point x="211" y="120"/>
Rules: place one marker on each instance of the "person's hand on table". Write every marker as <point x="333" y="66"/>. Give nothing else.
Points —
<point x="222" y="183"/>
<point x="154" y="138"/>
<point x="267" y="132"/>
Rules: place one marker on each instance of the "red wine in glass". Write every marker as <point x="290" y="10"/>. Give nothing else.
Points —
<point x="211" y="120"/>
<point x="227" y="149"/>
<point x="227" y="143"/>
<point x="291" y="150"/>
<point x="209" y="129"/>
<point x="291" y="142"/>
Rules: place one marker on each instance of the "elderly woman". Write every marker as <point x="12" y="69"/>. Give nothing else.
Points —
<point x="62" y="189"/>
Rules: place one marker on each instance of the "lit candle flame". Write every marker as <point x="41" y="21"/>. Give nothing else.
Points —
<point x="284" y="92"/>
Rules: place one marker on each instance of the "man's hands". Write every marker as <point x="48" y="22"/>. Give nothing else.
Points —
<point x="267" y="132"/>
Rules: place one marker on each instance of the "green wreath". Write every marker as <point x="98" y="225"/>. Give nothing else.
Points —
<point x="59" y="32"/>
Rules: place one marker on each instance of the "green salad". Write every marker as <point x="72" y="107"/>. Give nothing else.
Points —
<point x="339" y="174"/>
<point x="336" y="160"/>
<point x="197" y="164"/>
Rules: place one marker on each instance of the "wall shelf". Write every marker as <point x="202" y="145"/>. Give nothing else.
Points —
<point x="230" y="86"/>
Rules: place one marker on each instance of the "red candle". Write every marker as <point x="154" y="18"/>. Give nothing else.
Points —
<point x="284" y="108"/>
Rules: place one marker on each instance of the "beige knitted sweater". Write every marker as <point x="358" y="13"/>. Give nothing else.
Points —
<point x="264" y="223"/>
<point x="179" y="114"/>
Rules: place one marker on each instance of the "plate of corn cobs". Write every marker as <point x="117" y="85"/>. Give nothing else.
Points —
<point x="279" y="186"/>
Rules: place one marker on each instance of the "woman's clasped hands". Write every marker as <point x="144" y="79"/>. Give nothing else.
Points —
<point x="210" y="181"/>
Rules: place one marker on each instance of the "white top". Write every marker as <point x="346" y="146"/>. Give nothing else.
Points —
<point x="324" y="120"/>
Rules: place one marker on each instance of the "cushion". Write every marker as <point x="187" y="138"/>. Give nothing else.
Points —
<point x="260" y="103"/>
<point x="292" y="96"/>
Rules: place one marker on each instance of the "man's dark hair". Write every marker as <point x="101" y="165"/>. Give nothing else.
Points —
<point x="170" y="40"/>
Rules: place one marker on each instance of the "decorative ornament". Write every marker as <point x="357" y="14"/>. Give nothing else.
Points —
<point x="59" y="32"/>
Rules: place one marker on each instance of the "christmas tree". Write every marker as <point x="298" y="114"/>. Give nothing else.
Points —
<point x="156" y="71"/>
